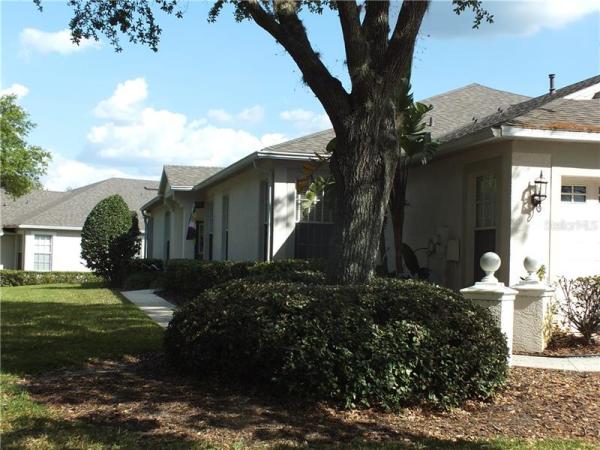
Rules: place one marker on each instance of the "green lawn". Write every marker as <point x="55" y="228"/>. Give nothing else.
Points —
<point x="52" y="326"/>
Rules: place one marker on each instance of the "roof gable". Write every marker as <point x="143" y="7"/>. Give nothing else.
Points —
<point x="71" y="208"/>
<point x="518" y="110"/>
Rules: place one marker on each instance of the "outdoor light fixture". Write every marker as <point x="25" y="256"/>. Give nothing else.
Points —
<point x="539" y="195"/>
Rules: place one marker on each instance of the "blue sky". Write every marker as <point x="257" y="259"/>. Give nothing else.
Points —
<point x="215" y="92"/>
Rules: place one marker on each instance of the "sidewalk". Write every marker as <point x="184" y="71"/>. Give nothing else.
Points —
<point x="161" y="312"/>
<point x="577" y="364"/>
<point x="155" y="307"/>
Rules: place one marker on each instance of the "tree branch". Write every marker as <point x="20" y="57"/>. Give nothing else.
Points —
<point x="287" y="28"/>
<point x="399" y="54"/>
<point x="376" y="28"/>
<point x="354" y="40"/>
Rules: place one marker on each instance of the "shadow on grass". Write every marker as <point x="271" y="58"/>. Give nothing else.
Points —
<point x="42" y="336"/>
<point x="90" y="285"/>
<point x="56" y="433"/>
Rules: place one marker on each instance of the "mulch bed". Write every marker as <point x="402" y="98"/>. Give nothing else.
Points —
<point x="567" y="344"/>
<point x="564" y="344"/>
<point x="142" y="394"/>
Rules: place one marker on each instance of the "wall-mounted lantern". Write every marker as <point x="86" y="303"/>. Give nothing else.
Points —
<point x="541" y="185"/>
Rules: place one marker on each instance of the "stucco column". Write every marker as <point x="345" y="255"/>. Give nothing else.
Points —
<point x="533" y="315"/>
<point x="498" y="298"/>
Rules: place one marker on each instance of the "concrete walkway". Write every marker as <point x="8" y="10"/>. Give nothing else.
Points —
<point x="161" y="312"/>
<point x="155" y="307"/>
<point x="577" y="364"/>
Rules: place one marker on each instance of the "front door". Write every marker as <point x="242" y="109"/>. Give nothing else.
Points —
<point x="484" y="239"/>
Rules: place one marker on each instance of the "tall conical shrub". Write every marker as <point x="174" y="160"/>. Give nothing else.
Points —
<point x="110" y="239"/>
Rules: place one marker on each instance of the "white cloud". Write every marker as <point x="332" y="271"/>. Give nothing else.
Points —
<point x="220" y="115"/>
<point x="248" y="116"/>
<point x="306" y="121"/>
<point x="252" y="115"/>
<point x="510" y="17"/>
<point x="142" y="137"/>
<point x="125" y="100"/>
<point x="33" y="40"/>
<point x="15" y="89"/>
<point x="64" y="173"/>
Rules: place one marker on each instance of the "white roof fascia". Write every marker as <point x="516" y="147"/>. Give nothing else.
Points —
<point x="49" y="227"/>
<point x="508" y="131"/>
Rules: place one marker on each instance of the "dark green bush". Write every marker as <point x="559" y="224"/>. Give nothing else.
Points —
<point x="110" y="239"/>
<point x="189" y="278"/>
<point x="390" y="343"/>
<point x="146" y="265"/>
<point x="23" y="278"/>
<point x="144" y="280"/>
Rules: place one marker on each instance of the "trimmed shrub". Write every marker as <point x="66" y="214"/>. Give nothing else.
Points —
<point x="146" y="265"/>
<point x="110" y="239"/>
<point x="581" y="307"/>
<point x="23" y="278"/>
<point x="144" y="280"/>
<point x="390" y="343"/>
<point x="189" y="278"/>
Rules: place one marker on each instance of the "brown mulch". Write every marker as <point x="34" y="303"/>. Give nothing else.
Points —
<point x="141" y="394"/>
<point x="564" y="344"/>
<point x="567" y="344"/>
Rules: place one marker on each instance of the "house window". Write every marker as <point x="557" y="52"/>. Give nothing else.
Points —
<point x="314" y="228"/>
<point x="225" y="228"/>
<point x="574" y="194"/>
<point x="320" y="212"/>
<point x="42" y="256"/>
<point x="167" y="235"/>
<point x="265" y="212"/>
<point x="485" y="201"/>
<point x="485" y="220"/>
<point x="199" y="240"/>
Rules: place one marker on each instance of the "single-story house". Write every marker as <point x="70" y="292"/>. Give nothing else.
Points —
<point x="478" y="193"/>
<point x="41" y="231"/>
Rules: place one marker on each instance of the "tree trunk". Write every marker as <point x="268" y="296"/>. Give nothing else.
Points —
<point x="397" y="209"/>
<point x="363" y="166"/>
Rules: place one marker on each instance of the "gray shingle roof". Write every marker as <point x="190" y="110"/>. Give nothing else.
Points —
<point x="563" y="114"/>
<point x="71" y="208"/>
<point x="451" y="110"/>
<point x="518" y="110"/>
<point x="188" y="175"/>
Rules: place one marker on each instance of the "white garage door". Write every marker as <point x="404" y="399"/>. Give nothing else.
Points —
<point x="578" y="228"/>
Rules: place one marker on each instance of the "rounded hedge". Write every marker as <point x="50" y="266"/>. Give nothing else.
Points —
<point x="390" y="343"/>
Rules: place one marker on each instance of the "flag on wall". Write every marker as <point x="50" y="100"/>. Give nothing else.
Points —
<point x="191" y="228"/>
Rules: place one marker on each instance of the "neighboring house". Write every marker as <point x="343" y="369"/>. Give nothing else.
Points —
<point x="168" y="215"/>
<point x="474" y="196"/>
<point x="41" y="231"/>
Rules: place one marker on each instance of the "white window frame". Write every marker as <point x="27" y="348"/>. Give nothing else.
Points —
<point x="568" y="196"/>
<point x="36" y="251"/>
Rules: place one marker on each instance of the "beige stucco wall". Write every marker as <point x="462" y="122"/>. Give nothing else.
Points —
<point x="66" y="250"/>
<point x="565" y="237"/>
<point x="440" y="202"/>
<point x="244" y="227"/>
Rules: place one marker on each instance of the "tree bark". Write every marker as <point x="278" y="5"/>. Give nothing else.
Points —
<point x="397" y="209"/>
<point x="363" y="166"/>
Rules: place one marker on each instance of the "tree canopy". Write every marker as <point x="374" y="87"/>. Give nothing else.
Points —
<point x="21" y="164"/>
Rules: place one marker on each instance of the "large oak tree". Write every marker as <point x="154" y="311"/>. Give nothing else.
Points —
<point x="379" y="43"/>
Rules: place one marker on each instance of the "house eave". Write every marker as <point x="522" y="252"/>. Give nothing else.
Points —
<point x="247" y="161"/>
